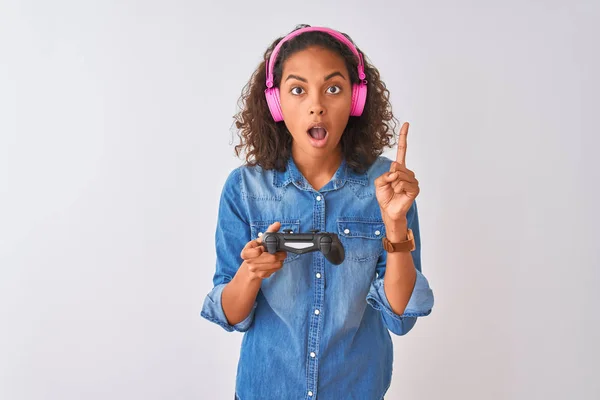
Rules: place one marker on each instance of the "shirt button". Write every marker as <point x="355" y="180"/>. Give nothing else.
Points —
<point x="260" y="234"/>
<point x="310" y="393"/>
<point x="377" y="233"/>
<point x="312" y="354"/>
<point x="346" y="231"/>
<point x="317" y="312"/>
<point x="318" y="275"/>
<point x="318" y="198"/>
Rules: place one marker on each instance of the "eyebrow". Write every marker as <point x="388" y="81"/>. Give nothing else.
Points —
<point x="336" y="73"/>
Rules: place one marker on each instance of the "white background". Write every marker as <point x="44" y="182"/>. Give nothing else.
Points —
<point x="116" y="138"/>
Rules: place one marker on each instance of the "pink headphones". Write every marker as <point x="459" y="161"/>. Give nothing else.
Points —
<point x="359" y="90"/>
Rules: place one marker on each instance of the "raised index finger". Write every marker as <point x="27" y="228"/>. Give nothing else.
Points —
<point x="401" y="154"/>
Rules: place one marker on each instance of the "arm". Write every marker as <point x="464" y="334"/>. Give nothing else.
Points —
<point x="232" y="300"/>
<point x="239" y="295"/>
<point x="398" y="296"/>
<point x="404" y="293"/>
<point x="400" y="275"/>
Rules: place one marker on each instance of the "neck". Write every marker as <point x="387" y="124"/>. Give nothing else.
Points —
<point x="319" y="170"/>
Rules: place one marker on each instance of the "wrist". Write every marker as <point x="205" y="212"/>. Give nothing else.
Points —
<point x="247" y="278"/>
<point x="396" y="231"/>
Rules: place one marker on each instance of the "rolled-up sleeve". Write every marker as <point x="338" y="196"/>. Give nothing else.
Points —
<point x="213" y="311"/>
<point x="232" y="234"/>
<point x="421" y="301"/>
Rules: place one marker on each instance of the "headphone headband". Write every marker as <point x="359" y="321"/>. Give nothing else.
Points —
<point x="334" y="33"/>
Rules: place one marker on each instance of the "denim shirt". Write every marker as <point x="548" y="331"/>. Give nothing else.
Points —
<point x="316" y="330"/>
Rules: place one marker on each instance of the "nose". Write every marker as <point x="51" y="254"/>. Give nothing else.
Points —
<point x="317" y="108"/>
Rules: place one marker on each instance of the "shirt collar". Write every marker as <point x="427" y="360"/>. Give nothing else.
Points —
<point x="343" y="174"/>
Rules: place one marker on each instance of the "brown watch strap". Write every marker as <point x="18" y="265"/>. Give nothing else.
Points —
<point x="404" y="246"/>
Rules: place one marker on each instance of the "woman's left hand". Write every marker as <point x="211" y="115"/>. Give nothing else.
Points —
<point x="397" y="189"/>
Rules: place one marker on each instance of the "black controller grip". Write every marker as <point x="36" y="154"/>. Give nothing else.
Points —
<point x="271" y="243"/>
<point x="332" y="249"/>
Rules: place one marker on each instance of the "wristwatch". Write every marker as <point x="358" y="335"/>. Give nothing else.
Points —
<point x="400" y="247"/>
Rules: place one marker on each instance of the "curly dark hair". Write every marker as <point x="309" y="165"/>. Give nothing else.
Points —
<point x="269" y="143"/>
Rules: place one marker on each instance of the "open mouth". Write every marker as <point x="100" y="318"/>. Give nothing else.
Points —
<point x="317" y="133"/>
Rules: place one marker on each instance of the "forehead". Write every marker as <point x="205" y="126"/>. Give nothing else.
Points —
<point x="314" y="61"/>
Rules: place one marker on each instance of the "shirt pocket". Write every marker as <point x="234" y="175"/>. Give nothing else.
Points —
<point x="361" y="237"/>
<point x="258" y="228"/>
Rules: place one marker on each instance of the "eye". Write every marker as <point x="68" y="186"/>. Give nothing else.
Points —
<point x="336" y="90"/>
<point x="296" y="90"/>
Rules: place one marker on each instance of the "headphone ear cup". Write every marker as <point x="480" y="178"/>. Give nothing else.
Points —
<point x="359" y="98"/>
<point x="272" y="96"/>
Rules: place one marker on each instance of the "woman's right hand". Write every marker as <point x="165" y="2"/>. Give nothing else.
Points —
<point x="258" y="262"/>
